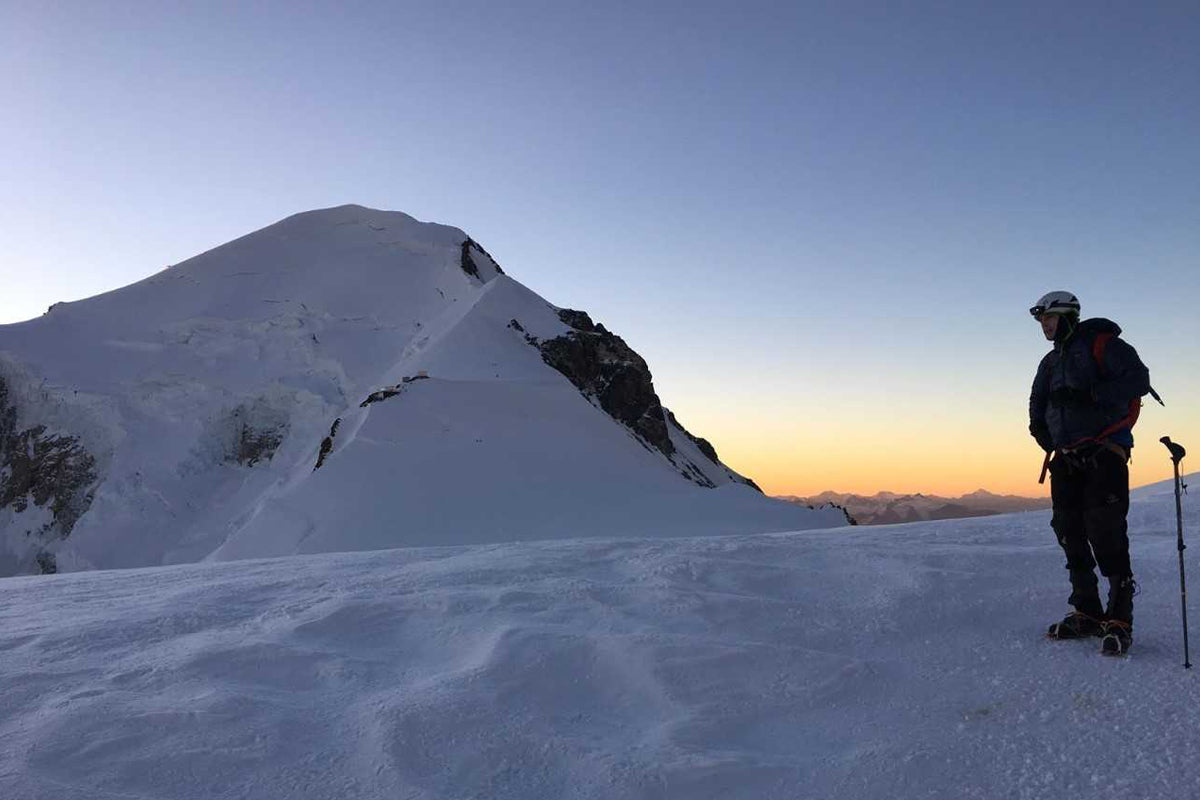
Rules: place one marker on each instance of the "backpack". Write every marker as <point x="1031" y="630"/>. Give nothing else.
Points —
<point x="1135" y="405"/>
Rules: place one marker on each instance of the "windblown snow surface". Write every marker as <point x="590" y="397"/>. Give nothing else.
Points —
<point x="891" y="662"/>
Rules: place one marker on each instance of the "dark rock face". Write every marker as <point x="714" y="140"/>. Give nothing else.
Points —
<point x="254" y="446"/>
<point x="602" y="366"/>
<point x="468" y="264"/>
<point x="391" y="391"/>
<point x="258" y="432"/>
<point x="605" y="369"/>
<point x="45" y="469"/>
<point x="579" y="320"/>
<point x="327" y="444"/>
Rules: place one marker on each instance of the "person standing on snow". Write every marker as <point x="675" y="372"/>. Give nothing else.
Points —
<point x="1082" y="408"/>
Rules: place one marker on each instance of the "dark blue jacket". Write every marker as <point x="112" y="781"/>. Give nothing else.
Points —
<point x="1102" y="395"/>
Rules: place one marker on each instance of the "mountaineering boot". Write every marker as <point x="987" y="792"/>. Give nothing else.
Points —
<point x="1076" y="625"/>
<point x="1118" y="638"/>
<point x="1121" y="590"/>
<point x="1118" y="628"/>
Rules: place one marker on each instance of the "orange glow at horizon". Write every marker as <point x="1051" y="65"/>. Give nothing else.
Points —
<point x="935" y="457"/>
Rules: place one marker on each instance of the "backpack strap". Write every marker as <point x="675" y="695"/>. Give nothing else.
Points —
<point x="1099" y="344"/>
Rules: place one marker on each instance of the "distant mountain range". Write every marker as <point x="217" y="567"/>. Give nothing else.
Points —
<point x="887" y="508"/>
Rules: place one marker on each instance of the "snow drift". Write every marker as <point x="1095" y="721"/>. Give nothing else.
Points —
<point x="345" y="379"/>
<point x="861" y="664"/>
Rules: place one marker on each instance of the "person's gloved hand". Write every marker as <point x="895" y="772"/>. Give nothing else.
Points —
<point x="1070" y="396"/>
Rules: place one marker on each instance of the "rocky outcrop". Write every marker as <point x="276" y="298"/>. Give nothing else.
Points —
<point x="386" y="393"/>
<point x="327" y="444"/>
<point x="468" y="263"/>
<point x="603" y="367"/>
<point x="608" y="372"/>
<point x="389" y="392"/>
<point x="43" y="469"/>
<point x="254" y="446"/>
<point x="259" y="428"/>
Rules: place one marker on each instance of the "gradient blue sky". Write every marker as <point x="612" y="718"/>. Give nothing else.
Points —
<point x="821" y="223"/>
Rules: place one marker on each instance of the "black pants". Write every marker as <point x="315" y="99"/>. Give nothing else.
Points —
<point x="1091" y="500"/>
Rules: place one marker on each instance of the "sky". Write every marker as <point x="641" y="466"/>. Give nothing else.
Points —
<point x="822" y="224"/>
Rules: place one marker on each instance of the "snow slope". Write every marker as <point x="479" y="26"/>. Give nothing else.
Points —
<point x="890" y="662"/>
<point x="181" y="418"/>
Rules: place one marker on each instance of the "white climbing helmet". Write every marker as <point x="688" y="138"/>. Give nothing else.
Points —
<point x="1056" y="303"/>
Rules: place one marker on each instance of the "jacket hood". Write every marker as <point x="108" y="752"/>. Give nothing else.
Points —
<point x="1090" y="327"/>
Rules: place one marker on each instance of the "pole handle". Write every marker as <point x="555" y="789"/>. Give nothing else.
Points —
<point x="1177" y="451"/>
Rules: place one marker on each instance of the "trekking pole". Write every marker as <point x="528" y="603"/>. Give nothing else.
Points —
<point x="1177" y="454"/>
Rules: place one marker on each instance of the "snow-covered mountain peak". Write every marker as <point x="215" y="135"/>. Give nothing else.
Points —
<point x="182" y="417"/>
<point x="346" y="260"/>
